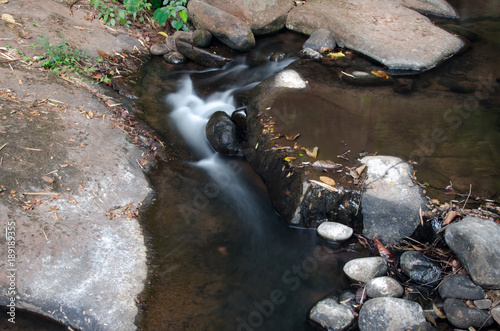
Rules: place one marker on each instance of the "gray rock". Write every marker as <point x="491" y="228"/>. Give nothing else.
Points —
<point x="483" y="304"/>
<point x="433" y="7"/>
<point x="174" y="58"/>
<point x="476" y="243"/>
<point x="186" y="36"/>
<point x="403" y="85"/>
<point x="334" y="231"/>
<point x="390" y="314"/>
<point x="223" y="134"/>
<point x="170" y="42"/>
<point x="159" y="49"/>
<point x="309" y="53"/>
<point x="239" y="117"/>
<point x="365" y="269"/>
<point x="384" y="287"/>
<point x="391" y="202"/>
<point x="424" y="326"/>
<point x="229" y="29"/>
<point x="331" y="315"/>
<point x="373" y="27"/>
<point x="495" y="312"/>
<point x="201" y="55"/>
<point x="462" y="316"/>
<point x="202" y="38"/>
<point x="319" y="40"/>
<point x="419" y="268"/>
<point x="460" y="287"/>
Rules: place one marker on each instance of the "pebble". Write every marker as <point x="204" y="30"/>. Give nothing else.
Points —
<point x="390" y="314"/>
<point x="419" y="268"/>
<point x="384" y="287"/>
<point x="366" y="268"/>
<point x="462" y="316"/>
<point x="333" y="231"/>
<point x="460" y="287"/>
<point x="331" y="315"/>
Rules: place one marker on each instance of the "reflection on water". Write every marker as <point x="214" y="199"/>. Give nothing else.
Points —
<point x="222" y="258"/>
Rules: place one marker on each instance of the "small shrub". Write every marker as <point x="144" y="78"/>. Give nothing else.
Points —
<point x="175" y="9"/>
<point x="61" y="56"/>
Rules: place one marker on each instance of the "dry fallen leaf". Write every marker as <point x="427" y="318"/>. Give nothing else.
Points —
<point x="335" y="56"/>
<point x="327" y="164"/>
<point x="8" y="18"/>
<point x="4" y="1"/>
<point x="380" y="73"/>
<point x="438" y="312"/>
<point x="327" y="180"/>
<point x="360" y="169"/>
<point x="163" y="34"/>
<point x="292" y="137"/>
<point x="450" y="217"/>
<point x="313" y="153"/>
<point x="328" y="187"/>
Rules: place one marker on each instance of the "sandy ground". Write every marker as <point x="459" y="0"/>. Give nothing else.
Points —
<point x="70" y="178"/>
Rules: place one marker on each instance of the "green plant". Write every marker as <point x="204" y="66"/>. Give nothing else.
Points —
<point x="62" y="56"/>
<point x="175" y="9"/>
<point x="111" y="15"/>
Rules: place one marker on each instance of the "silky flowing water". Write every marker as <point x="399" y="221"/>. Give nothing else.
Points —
<point x="222" y="259"/>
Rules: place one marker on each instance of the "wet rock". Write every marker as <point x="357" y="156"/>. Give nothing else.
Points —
<point x="365" y="269"/>
<point x="461" y="31"/>
<point x="333" y="231"/>
<point x="159" y="49"/>
<point x="200" y="55"/>
<point x="390" y="314"/>
<point x="186" y="36"/>
<point x="424" y="326"/>
<point x="363" y="78"/>
<point x="229" y="29"/>
<point x="391" y="202"/>
<point x="439" y="8"/>
<point x="174" y="58"/>
<point x="308" y="53"/>
<point x="495" y="312"/>
<point x="384" y="287"/>
<point x="460" y="287"/>
<point x="462" y="316"/>
<point x="475" y="242"/>
<point x="170" y="42"/>
<point x="483" y="304"/>
<point x="419" y="268"/>
<point x="331" y="315"/>
<point x="277" y="57"/>
<point x="403" y="85"/>
<point x="239" y="117"/>
<point x="373" y="28"/>
<point x="202" y="38"/>
<point x="463" y="86"/>
<point x="223" y="134"/>
<point x="320" y="40"/>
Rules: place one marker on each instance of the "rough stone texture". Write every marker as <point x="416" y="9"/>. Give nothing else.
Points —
<point x="433" y="7"/>
<point x="73" y="261"/>
<point x="365" y="269"/>
<point x="460" y="287"/>
<point x="333" y="231"/>
<point x="200" y="55"/>
<point x="159" y="49"/>
<point x="229" y="29"/>
<point x="391" y="202"/>
<point x="396" y="36"/>
<point x="331" y="315"/>
<point x="463" y="316"/>
<point x="320" y="39"/>
<point x="223" y="134"/>
<point x="495" y="312"/>
<point x="384" y="287"/>
<point x="483" y="304"/>
<point x="390" y="314"/>
<point x="174" y="58"/>
<point x="476" y="243"/>
<point x="202" y="38"/>
<point x="419" y="268"/>
<point x="263" y="16"/>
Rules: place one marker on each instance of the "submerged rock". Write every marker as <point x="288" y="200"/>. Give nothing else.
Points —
<point x="320" y="40"/>
<point x="333" y="231"/>
<point x="460" y="287"/>
<point x="419" y="268"/>
<point x="391" y="202"/>
<point x="381" y="29"/>
<point x="463" y="316"/>
<point x="365" y="269"/>
<point x="201" y="56"/>
<point x="384" y="287"/>
<point x="174" y="58"/>
<point x="331" y="315"/>
<point x="475" y="242"/>
<point x="223" y="134"/>
<point x="390" y="314"/>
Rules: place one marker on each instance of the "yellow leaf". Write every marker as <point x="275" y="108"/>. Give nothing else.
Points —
<point x="289" y="158"/>
<point x="313" y="153"/>
<point x="360" y="169"/>
<point x="328" y="187"/>
<point x="380" y="73"/>
<point x="327" y="180"/>
<point x="163" y="34"/>
<point x="292" y="137"/>
<point x="335" y="56"/>
<point x="4" y="1"/>
<point x="8" y="18"/>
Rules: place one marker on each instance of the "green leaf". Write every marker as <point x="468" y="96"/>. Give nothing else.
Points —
<point x="177" y="24"/>
<point x="183" y="15"/>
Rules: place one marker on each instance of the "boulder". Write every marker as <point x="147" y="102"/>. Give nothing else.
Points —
<point x="202" y="38"/>
<point x="460" y="287"/>
<point x="384" y="287"/>
<point x="439" y="8"/>
<point x="419" y="268"/>
<point x="365" y="269"/>
<point x="463" y="316"/>
<point x="391" y="202"/>
<point x="331" y="315"/>
<point x="396" y="36"/>
<point x="229" y="29"/>
<point x="174" y="58"/>
<point x="159" y="49"/>
<point x="333" y="231"/>
<point x="223" y="134"/>
<point x="475" y="242"/>
<point x="201" y="55"/>
<point x="390" y="314"/>
<point x="320" y="40"/>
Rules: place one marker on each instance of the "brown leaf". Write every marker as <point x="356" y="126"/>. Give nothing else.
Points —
<point x="292" y="137"/>
<point x="438" y="312"/>
<point x="327" y="180"/>
<point x="383" y="251"/>
<point x="8" y="18"/>
<point x="313" y="153"/>
<point x="104" y="55"/>
<point x="450" y="217"/>
<point x="430" y="318"/>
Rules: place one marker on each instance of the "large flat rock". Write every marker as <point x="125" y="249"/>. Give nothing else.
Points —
<point x="386" y="31"/>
